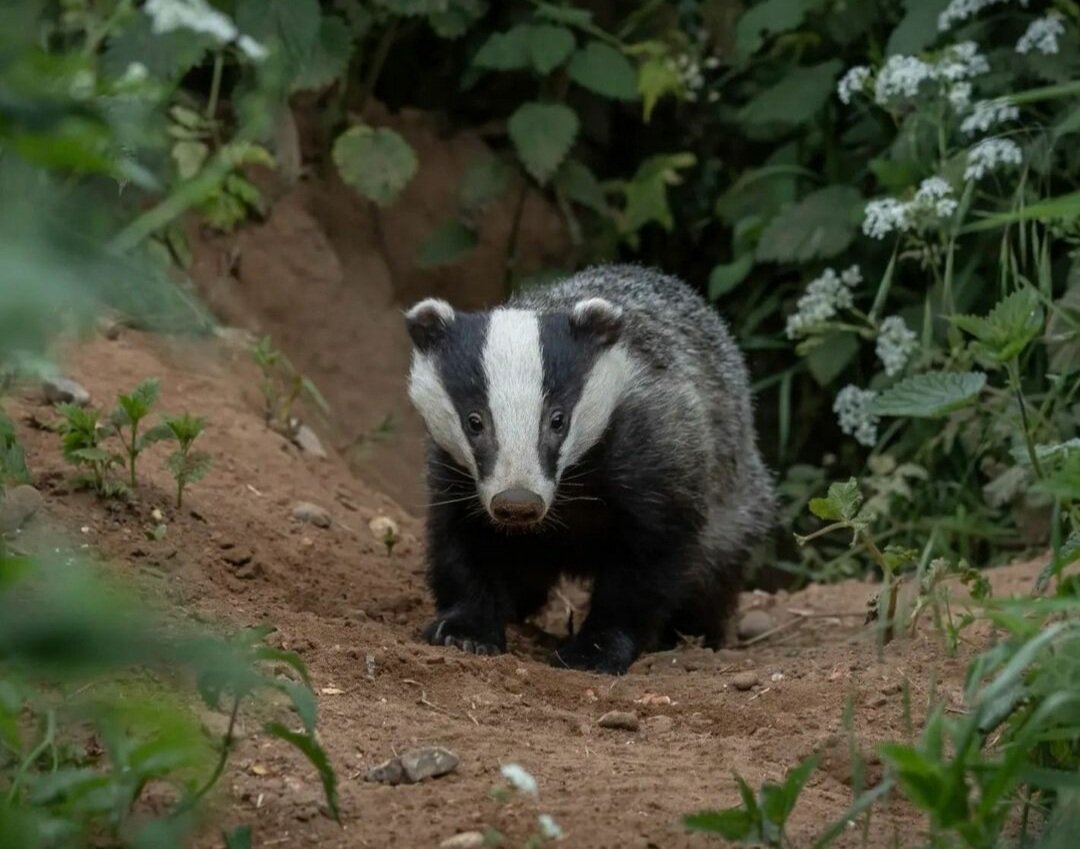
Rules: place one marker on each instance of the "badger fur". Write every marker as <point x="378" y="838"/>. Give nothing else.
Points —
<point x="599" y="428"/>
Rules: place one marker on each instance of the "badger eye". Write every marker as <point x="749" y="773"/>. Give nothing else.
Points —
<point x="475" y="422"/>
<point x="558" y="421"/>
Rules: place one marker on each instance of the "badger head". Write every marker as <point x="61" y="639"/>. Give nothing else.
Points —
<point x="516" y="396"/>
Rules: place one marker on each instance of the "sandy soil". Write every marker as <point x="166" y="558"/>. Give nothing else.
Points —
<point x="235" y="555"/>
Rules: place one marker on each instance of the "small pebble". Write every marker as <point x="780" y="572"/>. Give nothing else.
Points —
<point x="619" y="719"/>
<point x="385" y="530"/>
<point x="465" y="840"/>
<point x="308" y="442"/>
<point x="389" y="772"/>
<point x="754" y="623"/>
<point x="305" y="511"/>
<point x="744" y="680"/>
<point x="61" y="390"/>
<point x="429" y="762"/>
<point x="660" y="724"/>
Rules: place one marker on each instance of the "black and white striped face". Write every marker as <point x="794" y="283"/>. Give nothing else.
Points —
<point x="515" y="396"/>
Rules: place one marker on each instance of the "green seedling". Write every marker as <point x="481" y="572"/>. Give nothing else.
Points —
<point x="186" y="466"/>
<point x="130" y="411"/>
<point x="12" y="457"/>
<point x="281" y="386"/>
<point x="82" y="433"/>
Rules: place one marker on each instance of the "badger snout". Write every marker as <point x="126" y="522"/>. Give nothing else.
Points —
<point x="517" y="507"/>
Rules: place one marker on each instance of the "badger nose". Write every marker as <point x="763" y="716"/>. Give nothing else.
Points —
<point x="517" y="505"/>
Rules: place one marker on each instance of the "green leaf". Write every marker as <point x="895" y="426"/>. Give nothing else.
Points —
<point x="295" y="25"/>
<point x="564" y="14"/>
<point x="780" y="802"/>
<point x="543" y="134"/>
<point x="1063" y="208"/>
<point x="657" y="77"/>
<point x="841" y="503"/>
<point x="577" y="182"/>
<point x="819" y="226"/>
<point x="830" y="355"/>
<point x="483" y="182"/>
<point x="1008" y="328"/>
<point x="604" y="70"/>
<point x="505" y="51"/>
<point x="238" y="838"/>
<point x="329" y="58"/>
<point x="731" y="824"/>
<point x="922" y="781"/>
<point x="646" y="193"/>
<point x="930" y="395"/>
<point x="454" y="21"/>
<point x="796" y="98"/>
<point x="918" y="29"/>
<point x="317" y="756"/>
<point x="769" y="18"/>
<point x="549" y="46"/>
<point x="378" y="163"/>
<point x="446" y="245"/>
<point x="167" y="55"/>
<point x="725" y="277"/>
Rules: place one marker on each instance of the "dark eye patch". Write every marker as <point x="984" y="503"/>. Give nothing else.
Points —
<point x="460" y="360"/>
<point x="567" y="363"/>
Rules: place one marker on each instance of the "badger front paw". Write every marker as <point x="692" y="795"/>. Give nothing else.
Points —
<point x="609" y="653"/>
<point x="466" y="633"/>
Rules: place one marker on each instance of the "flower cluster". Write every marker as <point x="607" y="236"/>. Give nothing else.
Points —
<point x="199" y="16"/>
<point x="988" y="154"/>
<point x="1042" y="34"/>
<point x="895" y="344"/>
<point x="961" y="10"/>
<point x="824" y="297"/>
<point x="521" y="778"/>
<point x="901" y="77"/>
<point x="692" y="77"/>
<point x="854" y="410"/>
<point x="986" y="114"/>
<point x="933" y="201"/>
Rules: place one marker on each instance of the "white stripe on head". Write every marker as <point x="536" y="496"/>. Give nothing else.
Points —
<point x="613" y="373"/>
<point x="514" y="366"/>
<point x="431" y="399"/>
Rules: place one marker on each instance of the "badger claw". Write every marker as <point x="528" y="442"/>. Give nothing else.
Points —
<point x="453" y="634"/>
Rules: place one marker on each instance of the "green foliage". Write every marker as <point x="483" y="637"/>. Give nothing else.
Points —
<point x="281" y="386"/>
<point x="131" y="409"/>
<point x="601" y="68"/>
<point x="543" y="134"/>
<point x="378" y="163"/>
<point x="12" y="457"/>
<point x="82" y="433"/>
<point x="931" y="394"/>
<point x="185" y="465"/>
<point x="819" y="226"/>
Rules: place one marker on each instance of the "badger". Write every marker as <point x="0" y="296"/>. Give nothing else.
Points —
<point x="599" y="428"/>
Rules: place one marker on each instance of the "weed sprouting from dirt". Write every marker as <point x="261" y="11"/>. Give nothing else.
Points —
<point x="281" y="386"/>
<point x="131" y="409"/>
<point x="83" y="434"/>
<point x="185" y="464"/>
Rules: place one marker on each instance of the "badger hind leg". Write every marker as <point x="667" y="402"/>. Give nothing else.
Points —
<point x="707" y="605"/>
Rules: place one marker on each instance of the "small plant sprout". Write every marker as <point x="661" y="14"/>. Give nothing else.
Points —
<point x="841" y="508"/>
<point x="385" y="530"/>
<point x="187" y="466"/>
<point x="130" y="410"/>
<point x="82" y="433"/>
<point x="281" y="386"/>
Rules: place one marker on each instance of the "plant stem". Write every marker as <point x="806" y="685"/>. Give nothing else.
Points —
<point x="215" y="85"/>
<point x="223" y="759"/>
<point x="820" y="532"/>
<point x="39" y="750"/>
<point x="382" y="50"/>
<point x="1014" y="384"/>
<point x="892" y="586"/>
<point x="132" y="452"/>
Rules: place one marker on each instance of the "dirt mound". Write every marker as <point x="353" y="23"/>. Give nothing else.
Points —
<point x="353" y="613"/>
<point x="326" y="275"/>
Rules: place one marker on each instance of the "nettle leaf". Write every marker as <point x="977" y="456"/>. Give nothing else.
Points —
<point x="841" y="503"/>
<point x="293" y="24"/>
<point x="657" y="77"/>
<point x="543" y="134"/>
<point x="378" y="163"/>
<point x="1008" y="328"/>
<point x="505" y="51"/>
<point x="604" y="70"/>
<point x="454" y="20"/>
<point x="329" y="57"/>
<point x="732" y="824"/>
<point x="830" y="355"/>
<point x="317" y="756"/>
<point x="819" y="226"/>
<point x="918" y="29"/>
<point x="646" y="193"/>
<point x="446" y="245"/>
<point x="483" y="182"/>
<point x="563" y="14"/>
<point x="549" y="47"/>
<point x="412" y="8"/>
<point x="577" y="182"/>
<point x="930" y="395"/>
<point x="725" y="277"/>
<point x="769" y="18"/>
<point x="796" y="98"/>
<point x="167" y="55"/>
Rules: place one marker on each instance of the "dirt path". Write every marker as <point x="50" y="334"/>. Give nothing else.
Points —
<point x="237" y="556"/>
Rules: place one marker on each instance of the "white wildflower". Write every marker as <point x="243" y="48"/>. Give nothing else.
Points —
<point x="854" y="410"/>
<point x="854" y="80"/>
<point x="199" y="16"/>
<point x="1042" y="34"/>
<point x="548" y="827"/>
<point x="986" y="114"/>
<point x="252" y="48"/>
<point x="988" y="154"/>
<point x="521" y="778"/>
<point x="895" y="344"/>
<point x="934" y="196"/>
<point x="961" y="10"/>
<point x="825" y="296"/>
<point x="882" y="217"/>
<point x="901" y="76"/>
<point x="135" y="73"/>
<point x="959" y="96"/>
<point x="82" y="85"/>
<point x="961" y="61"/>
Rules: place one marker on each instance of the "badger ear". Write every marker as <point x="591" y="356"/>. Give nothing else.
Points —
<point x="599" y="319"/>
<point x="428" y="321"/>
